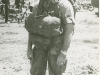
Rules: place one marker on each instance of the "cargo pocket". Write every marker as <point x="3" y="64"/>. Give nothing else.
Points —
<point x="63" y="67"/>
<point x="52" y="60"/>
<point x="56" y="49"/>
<point x="39" y="41"/>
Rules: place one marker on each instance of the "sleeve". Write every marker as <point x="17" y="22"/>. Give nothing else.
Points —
<point x="29" y="42"/>
<point x="67" y="13"/>
<point x="67" y="18"/>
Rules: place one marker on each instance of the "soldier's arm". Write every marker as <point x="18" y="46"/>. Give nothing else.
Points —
<point x="68" y="31"/>
<point x="34" y="13"/>
<point x="68" y="25"/>
<point x="29" y="50"/>
<point x="29" y="43"/>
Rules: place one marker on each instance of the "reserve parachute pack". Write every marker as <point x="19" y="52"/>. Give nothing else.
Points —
<point x="45" y="27"/>
<point x="46" y="24"/>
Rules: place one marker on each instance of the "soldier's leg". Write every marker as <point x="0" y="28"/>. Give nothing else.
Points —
<point x="55" y="69"/>
<point x="31" y="8"/>
<point x="6" y="13"/>
<point x="75" y="12"/>
<point x="39" y="62"/>
<point x="1" y="9"/>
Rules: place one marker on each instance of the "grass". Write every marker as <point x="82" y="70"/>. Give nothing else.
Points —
<point x="87" y="22"/>
<point x="91" y="41"/>
<point x="84" y="47"/>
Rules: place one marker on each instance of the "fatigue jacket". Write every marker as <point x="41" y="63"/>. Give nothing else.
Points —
<point x="63" y="8"/>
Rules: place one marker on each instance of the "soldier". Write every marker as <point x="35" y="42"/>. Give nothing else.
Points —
<point x="6" y="2"/>
<point x="17" y="3"/>
<point x="22" y="2"/>
<point x="2" y="1"/>
<point x="31" y="4"/>
<point x="56" y="55"/>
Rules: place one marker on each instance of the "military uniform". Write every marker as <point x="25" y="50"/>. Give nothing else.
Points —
<point x="40" y="56"/>
<point x="31" y="3"/>
<point x="73" y="2"/>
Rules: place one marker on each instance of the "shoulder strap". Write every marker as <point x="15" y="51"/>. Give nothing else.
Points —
<point x="56" y="10"/>
<point x="56" y="13"/>
<point x="53" y="10"/>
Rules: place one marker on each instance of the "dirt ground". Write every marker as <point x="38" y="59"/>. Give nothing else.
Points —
<point x="83" y="54"/>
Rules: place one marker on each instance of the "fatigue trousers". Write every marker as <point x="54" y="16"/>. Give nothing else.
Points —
<point x="6" y="13"/>
<point x="31" y="8"/>
<point x="40" y="58"/>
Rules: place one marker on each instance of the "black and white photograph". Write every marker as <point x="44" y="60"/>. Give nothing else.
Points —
<point x="49" y="37"/>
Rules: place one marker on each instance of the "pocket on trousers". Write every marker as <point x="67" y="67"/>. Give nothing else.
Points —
<point x="63" y="67"/>
<point x="56" y="49"/>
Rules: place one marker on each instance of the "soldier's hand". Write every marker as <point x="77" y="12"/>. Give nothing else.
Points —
<point x="61" y="59"/>
<point x="29" y="54"/>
